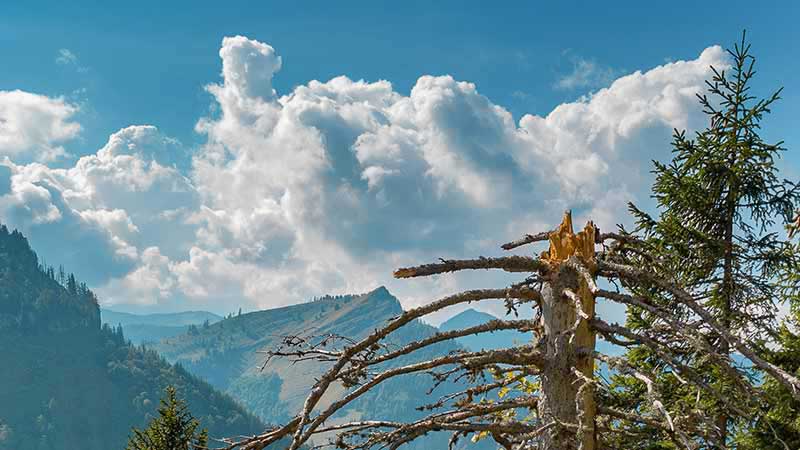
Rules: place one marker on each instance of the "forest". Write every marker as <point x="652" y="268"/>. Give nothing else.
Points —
<point x="70" y="382"/>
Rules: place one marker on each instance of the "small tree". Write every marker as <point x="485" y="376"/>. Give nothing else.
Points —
<point x="174" y="429"/>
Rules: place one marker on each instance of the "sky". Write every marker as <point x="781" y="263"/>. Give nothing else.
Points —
<point x="192" y="155"/>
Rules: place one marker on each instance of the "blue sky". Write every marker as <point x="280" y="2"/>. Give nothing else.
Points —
<point x="148" y="63"/>
<point x="148" y="60"/>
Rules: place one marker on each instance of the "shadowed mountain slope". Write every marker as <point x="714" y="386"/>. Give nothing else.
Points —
<point x="68" y="383"/>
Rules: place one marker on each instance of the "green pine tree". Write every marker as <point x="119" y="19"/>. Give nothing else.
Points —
<point x="719" y="202"/>
<point x="174" y="429"/>
<point x="778" y="425"/>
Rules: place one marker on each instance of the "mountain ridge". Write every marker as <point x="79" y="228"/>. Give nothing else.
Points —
<point x="191" y="317"/>
<point x="150" y="328"/>
<point x="75" y="384"/>
<point x="226" y="354"/>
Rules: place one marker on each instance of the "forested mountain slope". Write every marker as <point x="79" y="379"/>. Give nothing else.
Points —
<point x="68" y="383"/>
<point x="227" y="355"/>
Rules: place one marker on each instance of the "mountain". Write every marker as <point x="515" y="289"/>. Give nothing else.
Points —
<point x="66" y="382"/>
<point x="150" y="328"/>
<point x="484" y="341"/>
<point x="226" y="354"/>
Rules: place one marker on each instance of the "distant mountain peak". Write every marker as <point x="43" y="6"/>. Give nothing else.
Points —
<point x="475" y="313"/>
<point x="381" y="296"/>
<point x="468" y="317"/>
<point x="382" y="291"/>
<point x="483" y="341"/>
<point x="229" y="354"/>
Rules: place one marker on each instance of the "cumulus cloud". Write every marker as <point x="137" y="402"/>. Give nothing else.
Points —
<point x="328" y="187"/>
<point x="150" y="283"/>
<point x="342" y="180"/>
<point x="98" y="215"/>
<point x="33" y="127"/>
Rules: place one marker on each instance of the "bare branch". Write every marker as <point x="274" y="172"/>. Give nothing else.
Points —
<point x="527" y="239"/>
<point x="787" y="380"/>
<point x="526" y="355"/>
<point x="487" y="327"/>
<point x="681" y="370"/>
<point x="507" y="263"/>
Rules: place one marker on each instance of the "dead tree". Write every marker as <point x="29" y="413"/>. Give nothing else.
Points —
<point x="555" y="376"/>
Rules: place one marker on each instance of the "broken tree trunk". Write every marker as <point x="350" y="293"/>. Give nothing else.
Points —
<point x="567" y="306"/>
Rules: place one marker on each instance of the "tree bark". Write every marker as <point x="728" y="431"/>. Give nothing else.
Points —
<point x="567" y="392"/>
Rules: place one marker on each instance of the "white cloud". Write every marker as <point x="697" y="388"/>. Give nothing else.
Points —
<point x="585" y="73"/>
<point x="98" y="215"/>
<point x="149" y="284"/>
<point x="327" y="188"/>
<point x="66" y="57"/>
<point x="347" y="179"/>
<point x="33" y="127"/>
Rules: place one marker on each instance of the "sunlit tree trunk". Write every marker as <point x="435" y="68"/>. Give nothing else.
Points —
<point x="566" y="381"/>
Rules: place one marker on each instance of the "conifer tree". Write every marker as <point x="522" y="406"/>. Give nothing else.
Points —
<point x="72" y="285"/>
<point x="719" y="201"/>
<point x="174" y="429"/>
<point x="778" y="425"/>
